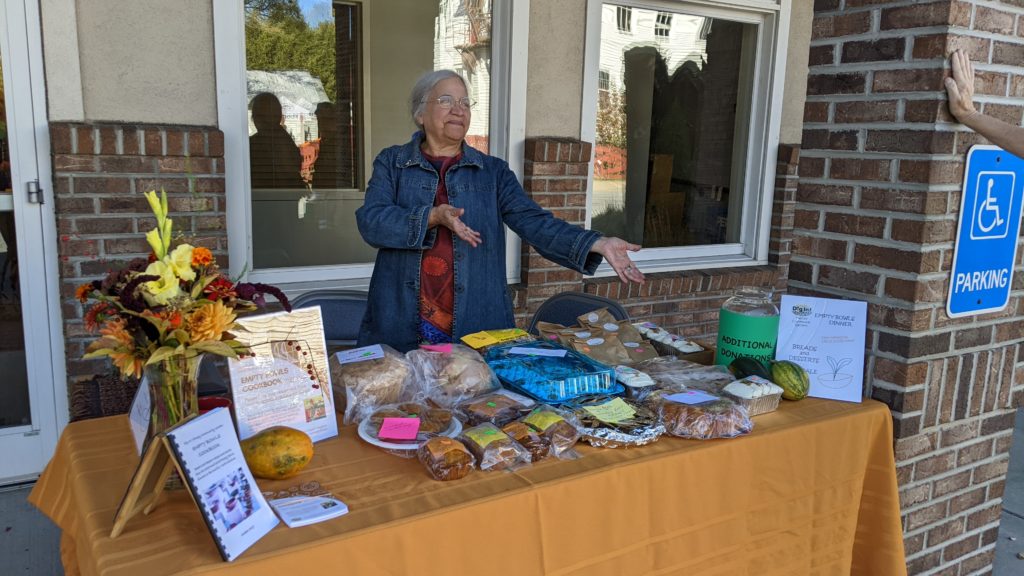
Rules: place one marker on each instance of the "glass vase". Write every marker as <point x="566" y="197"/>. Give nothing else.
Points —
<point x="173" y="391"/>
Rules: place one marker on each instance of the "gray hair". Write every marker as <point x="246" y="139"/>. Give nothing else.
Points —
<point x="424" y="86"/>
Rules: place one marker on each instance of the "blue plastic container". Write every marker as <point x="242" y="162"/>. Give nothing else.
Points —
<point x="551" y="374"/>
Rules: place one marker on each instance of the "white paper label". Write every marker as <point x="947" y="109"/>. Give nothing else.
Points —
<point x="595" y="341"/>
<point x="691" y="397"/>
<point x="593" y="317"/>
<point x="360" y="354"/>
<point x="582" y="334"/>
<point x="611" y="327"/>
<point x="631" y="344"/>
<point x="138" y="415"/>
<point x="523" y="351"/>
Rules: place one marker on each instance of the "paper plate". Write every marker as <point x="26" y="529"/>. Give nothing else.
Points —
<point x="365" y="432"/>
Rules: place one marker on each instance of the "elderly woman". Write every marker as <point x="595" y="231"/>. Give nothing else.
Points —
<point x="434" y="209"/>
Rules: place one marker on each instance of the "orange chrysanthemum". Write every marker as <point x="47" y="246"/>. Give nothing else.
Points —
<point x="210" y="321"/>
<point x="201" y="256"/>
<point x="83" y="291"/>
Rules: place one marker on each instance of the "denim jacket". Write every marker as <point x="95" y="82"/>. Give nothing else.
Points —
<point x="393" y="219"/>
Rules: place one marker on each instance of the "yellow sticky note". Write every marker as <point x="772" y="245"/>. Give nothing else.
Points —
<point x="479" y="340"/>
<point x="612" y="412"/>
<point x="541" y="419"/>
<point x="507" y="334"/>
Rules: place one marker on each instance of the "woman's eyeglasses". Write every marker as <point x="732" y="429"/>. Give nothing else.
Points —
<point x="447" y="102"/>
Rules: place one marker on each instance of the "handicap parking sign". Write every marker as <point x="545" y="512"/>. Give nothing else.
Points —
<point x="986" y="241"/>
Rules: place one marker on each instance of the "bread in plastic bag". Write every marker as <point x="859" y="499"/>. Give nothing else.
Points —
<point x="672" y="373"/>
<point x="719" y="418"/>
<point x="449" y="377"/>
<point x="560" y="428"/>
<point x="445" y="458"/>
<point x="498" y="408"/>
<point x="494" y="449"/>
<point x="538" y="446"/>
<point x="363" y="385"/>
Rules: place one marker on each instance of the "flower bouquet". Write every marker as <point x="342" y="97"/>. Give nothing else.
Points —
<point x="159" y="316"/>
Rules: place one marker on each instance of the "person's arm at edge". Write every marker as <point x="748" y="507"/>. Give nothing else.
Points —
<point x="960" y="89"/>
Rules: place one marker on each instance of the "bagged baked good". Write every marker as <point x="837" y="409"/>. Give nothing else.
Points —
<point x="559" y="428"/>
<point x="401" y="438"/>
<point x="603" y="347"/>
<point x="638" y="384"/>
<point x="448" y="375"/>
<point x="714" y="418"/>
<point x="367" y="378"/>
<point x="499" y="408"/>
<point x="493" y="449"/>
<point x="538" y="446"/>
<point x="671" y="373"/>
<point x="445" y="458"/>
<point x="600" y="319"/>
<point x="612" y="422"/>
<point x="665" y="341"/>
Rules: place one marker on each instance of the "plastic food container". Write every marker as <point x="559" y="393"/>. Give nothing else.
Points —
<point x="550" y="373"/>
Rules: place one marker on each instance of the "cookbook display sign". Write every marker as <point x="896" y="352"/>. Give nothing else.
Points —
<point x="285" y="380"/>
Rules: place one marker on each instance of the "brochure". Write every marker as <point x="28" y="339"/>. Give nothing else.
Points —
<point x="826" y="337"/>
<point x="298" y="511"/>
<point x="210" y="457"/>
<point x="285" y="382"/>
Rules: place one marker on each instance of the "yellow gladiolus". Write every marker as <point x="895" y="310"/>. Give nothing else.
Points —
<point x="160" y="292"/>
<point x="180" y="260"/>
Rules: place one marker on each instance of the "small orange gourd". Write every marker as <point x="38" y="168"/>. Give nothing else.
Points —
<point x="277" y="452"/>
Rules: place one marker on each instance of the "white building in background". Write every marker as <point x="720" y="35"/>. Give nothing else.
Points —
<point x="677" y="37"/>
<point x="462" y="42"/>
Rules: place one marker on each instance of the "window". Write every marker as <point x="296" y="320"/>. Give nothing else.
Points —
<point x="624" y="17"/>
<point x="323" y="90"/>
<point x="681" y="130"/>
<point x="663" y="24"/>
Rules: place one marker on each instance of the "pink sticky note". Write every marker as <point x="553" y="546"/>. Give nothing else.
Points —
<point x="399" y="429"/>
<point x="442" y="348"/>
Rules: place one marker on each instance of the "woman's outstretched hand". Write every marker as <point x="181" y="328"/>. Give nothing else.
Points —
<point x="616" y="253"/>
<point x="960" y="87"/>
<point x="450" y="217"/>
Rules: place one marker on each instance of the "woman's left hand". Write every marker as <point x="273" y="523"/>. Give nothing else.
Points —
<point x="616" y="252"/>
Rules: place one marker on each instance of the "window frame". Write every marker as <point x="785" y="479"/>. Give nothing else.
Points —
<point x="768" y="80"/>
<point x="507" y="136"/>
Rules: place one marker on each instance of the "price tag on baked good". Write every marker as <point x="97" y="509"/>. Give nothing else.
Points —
<point x="612" y="412"/>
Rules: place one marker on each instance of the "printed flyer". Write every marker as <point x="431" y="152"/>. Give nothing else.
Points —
<point x="825" y="337"/>
<point x="285" y="382"/>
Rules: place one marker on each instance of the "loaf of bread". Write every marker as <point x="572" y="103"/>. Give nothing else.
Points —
<point x="720" y="418"/>
<point x="493" y="449"/>
<point x="538" y="446"/>
<point x="448" y="378"/>
<point x="445" y="458"/>
<point x="361" y="386"/>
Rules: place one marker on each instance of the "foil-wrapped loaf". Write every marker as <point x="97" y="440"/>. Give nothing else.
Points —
<point x="611" y="422"/>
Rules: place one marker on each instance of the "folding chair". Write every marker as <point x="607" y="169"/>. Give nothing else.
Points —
<point x="565" y="307"/>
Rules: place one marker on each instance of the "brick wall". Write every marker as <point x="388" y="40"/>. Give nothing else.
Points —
<point x="100" y="175"/>
<point x="875" y="219"/>
<point x="688" y="302"/>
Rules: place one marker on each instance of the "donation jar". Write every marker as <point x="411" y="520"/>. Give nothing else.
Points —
<point x="748" y="325"/>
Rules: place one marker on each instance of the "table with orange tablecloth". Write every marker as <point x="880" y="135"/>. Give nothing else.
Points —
<point x="812" y="490"/>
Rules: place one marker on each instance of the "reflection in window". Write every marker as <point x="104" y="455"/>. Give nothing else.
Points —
<point x="624" y="17"/>
<point x="310" y="67"/>
<point x="671" y="131"/>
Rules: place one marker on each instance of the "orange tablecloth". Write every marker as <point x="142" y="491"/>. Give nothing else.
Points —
<point x="811" y="491"/>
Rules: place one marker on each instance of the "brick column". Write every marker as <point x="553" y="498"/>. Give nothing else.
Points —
<point x="100" y="175"/>
<point x="875" y="220"/>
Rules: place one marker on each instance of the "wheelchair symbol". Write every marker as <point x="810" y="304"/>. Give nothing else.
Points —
<point x="992" y="205"/>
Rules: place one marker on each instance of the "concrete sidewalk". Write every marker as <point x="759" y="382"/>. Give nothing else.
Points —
<point x="1011" y="525"/>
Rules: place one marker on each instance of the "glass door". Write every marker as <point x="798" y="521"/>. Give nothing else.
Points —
<point x="28" y="294"/>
